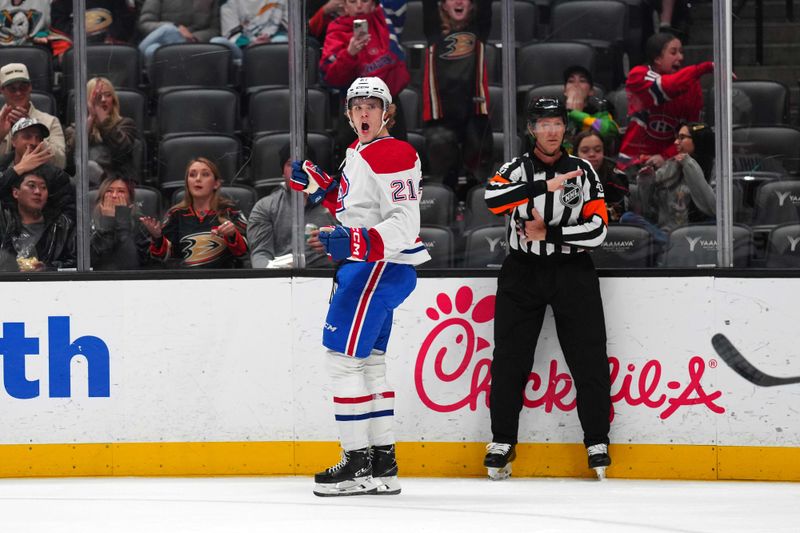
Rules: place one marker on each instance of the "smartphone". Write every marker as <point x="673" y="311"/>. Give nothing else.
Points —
<point x="360" y="28"/>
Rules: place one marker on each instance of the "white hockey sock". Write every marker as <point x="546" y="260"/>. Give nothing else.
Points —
<point x="381" y="425"/>
<point x="351" y="400"/>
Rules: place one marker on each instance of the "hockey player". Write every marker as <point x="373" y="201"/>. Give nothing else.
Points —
<point x="556" y="212"/>
<point x="376" y="201"/>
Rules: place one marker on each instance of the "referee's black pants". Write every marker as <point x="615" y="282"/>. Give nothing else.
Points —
<point x="525" y="286"/>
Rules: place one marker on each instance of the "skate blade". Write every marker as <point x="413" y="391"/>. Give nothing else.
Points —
<point x="354" y="487"/>
<point x="498" y="474"/>
<point x="386" y="486"/>
<point x="601" y="472"/>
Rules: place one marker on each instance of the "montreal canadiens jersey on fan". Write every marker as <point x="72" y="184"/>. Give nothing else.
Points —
<point x="380" y="190"/>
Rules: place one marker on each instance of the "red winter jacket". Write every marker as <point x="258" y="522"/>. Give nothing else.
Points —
<point x="339" y="69"/>
<point x="657" y="104"/>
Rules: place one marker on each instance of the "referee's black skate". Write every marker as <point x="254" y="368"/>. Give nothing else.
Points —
<point x="384" y="470"/>
<point x="599" y="459"/>
<point x="349" y="477"/>
<point x="499" y="456"/>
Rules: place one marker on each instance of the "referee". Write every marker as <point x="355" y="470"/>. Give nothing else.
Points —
<point x="557" y="212"/>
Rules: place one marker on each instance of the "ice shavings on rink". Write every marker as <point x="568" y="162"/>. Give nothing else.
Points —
<point x="227" y="505"/>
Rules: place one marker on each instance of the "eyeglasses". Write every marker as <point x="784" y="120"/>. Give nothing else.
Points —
<point x="682" y="137"/>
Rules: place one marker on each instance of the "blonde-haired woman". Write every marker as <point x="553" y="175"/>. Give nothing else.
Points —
<point x="203" y="230"/>
<point x="112" y="137"/>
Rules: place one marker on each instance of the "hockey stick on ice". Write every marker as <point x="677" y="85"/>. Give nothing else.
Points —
<point x="742" y="366"/>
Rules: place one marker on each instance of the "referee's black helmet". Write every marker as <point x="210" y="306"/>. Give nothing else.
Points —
<point x="546" y="108"/>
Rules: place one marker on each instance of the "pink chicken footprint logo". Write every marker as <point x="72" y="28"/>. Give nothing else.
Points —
<point x="448" y="363"/>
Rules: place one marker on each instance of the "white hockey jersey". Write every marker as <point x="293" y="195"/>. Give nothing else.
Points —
<point x="379" y="189"/>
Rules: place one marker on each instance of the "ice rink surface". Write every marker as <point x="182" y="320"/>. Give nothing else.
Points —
<point x="229" y="505"/>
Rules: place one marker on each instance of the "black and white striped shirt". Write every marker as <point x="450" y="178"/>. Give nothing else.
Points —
<point x="576" y="217"/>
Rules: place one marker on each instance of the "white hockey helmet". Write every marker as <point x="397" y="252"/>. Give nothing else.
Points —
<point x="369" y="88"/>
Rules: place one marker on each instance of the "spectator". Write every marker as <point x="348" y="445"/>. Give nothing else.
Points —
<point x="203" y="230"/>
<point x="107" y="21"/>
<point x="458" y="136"/>
<point x="15" y="86"/>
<point x="176" y="21"/>
<point x="679" y="192"/>
<point x="31" y="153"/>
<point x="27" y="22"/>
<point x="119" y="240"/>
<point x="323" y="15"/>
<point x="248" y="22"/>
<point x="374" y="52"/>
<point x="34" y="234"/>
<point x="661" y="95"/>
<point x="112" y="138"/>
<point x="585" y="110"/>
<point x="269" y="228"/>
<point x="589" y="145"/>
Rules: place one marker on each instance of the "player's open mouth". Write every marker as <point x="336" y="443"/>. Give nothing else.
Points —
<point x="364" y="127"/>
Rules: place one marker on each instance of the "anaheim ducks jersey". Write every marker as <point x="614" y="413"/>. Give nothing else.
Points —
<point x="379" y="189"/>
<point x="188" y="238"/>
<point x="576" y="216"/>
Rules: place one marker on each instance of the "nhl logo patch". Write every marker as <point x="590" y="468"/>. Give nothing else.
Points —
<point x="571" y="196"/>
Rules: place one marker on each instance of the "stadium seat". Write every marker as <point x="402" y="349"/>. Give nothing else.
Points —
<point x="625" y="246"/>
<point x="244" y="197"/>
<point x="268" y="110"/>
<point x="485" y="247"/>
<point x="437" y="204"/>
<point x="200" y="110"/>
<point x="544" y="63"/>
<point x="413" y="31"/>
<point x="777" y="202"/>
<point x="175" y="152"/>
<point x="496" y="107"/>
<point x="267" y="65"/>
<point x="780" y="143"/>
<point x="120" y="63"/>
<point x="265" y="159"/>
<point x="524" y="22"/>
<point x="769" y="102"/>
<point x="439" y="242"/>
<point x="411" y="104"/>
<point x="695" y="245"/>
<point x="477" y="214"/>
<point x="417" y="140"/>
<point x="602" y="24"/>
<point x="783" y="247"/>
<point x="191" y="65"/>
<point x="38" y="59"/>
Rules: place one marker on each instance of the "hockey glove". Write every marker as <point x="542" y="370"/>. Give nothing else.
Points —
<point x="308" y="177"/>
<point x="342" y="243"/>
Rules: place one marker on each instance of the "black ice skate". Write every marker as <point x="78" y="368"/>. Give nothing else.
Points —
<point x="599" y="459"/>
<point x="498" y="459"/>
<point x="349" y="477"/>
<point x="384" y="470"/>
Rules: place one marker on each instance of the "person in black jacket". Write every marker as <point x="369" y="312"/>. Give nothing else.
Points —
<point x="34" y="234"/>
<point x="119" y="240"/>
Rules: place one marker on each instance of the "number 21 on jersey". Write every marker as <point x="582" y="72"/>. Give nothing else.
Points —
<point x="403" y="190"/>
